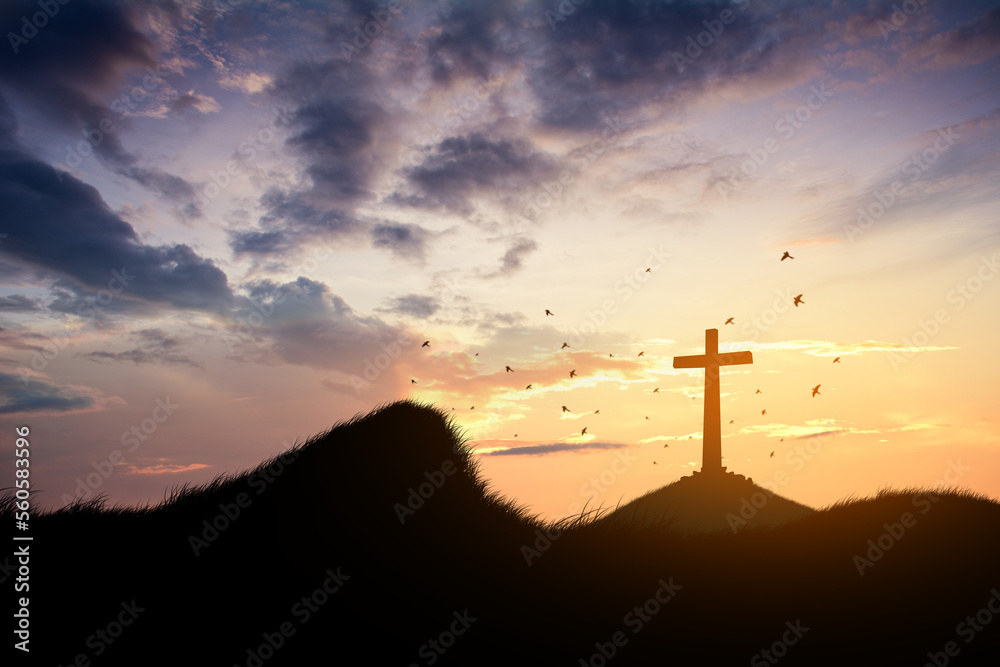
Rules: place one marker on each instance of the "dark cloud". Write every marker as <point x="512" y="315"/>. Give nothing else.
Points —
<point x="462" y="167"/>
<point x="471" y="38"/>
<point x="63" y="225"/>
<point x="974" y="42"/>
<point x="414" y="305"/>
<point x="513" y="260"/>
<point x="155" y="346"/>
<point x="19" y="302"/>
<point x="302" y="322"/>
<point x="83" y="54"/>
<point x="30" y="393"/>
<point x="554" y="448"/>
<point x="407" y="241"/>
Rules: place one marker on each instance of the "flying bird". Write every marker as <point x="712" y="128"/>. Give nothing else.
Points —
<point x="656" y="391"/>
<point x="764" y="411"/>
<point x="611" y="355"/>
<point x="565" y="409"/>
<point x="565" y="345"/>
<point x="509" y="369"/>
<point x="731" y="421"/>
<point x="427" y="343"/>
<point x="647" y="417"/>
<point x="772" y="455"/>
<point x="729" y="321"/>
<point x="597" y="412"/>
<point x="786" y="256"/>
<point x="666" y="445"/>
<point x="837" y="360"/>
<point x="473" y="407"/>
<point x="642" y="354"/>
<point x="528" y="387"/>
<point x="798" y="300"/>
<point x="756" y="392"/>
<point x="572" y="373"/>
<point x="654" y="463"/>
<point x="412" y="381"/>
<point x="815" y="391"/>
<point x="648" y="270"/>
<point x="548" y="312"/>
<point x="515" y="435"/>
<point x="584" y="431"/>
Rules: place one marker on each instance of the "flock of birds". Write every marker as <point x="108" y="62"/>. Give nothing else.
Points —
<point x="548" y="313"/>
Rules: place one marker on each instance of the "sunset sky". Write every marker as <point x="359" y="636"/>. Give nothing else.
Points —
<point x="227" y="225"/>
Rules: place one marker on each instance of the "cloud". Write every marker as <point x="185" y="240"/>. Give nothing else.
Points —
<point x="82" y="54"/>
<point x="19" y="302"/>
<point x="93" y="246"/>
<point x="162" y="469"/>
<point x="513" y="260"/>
<point x="414" y="305"/>
<point x="191" y="100"/>
<point x="155" y="346"/>
<point x="26" y="392"/>
<point x="972" y="43"/>
<point x="406" y="241"/>
<point x="554" y="448"/>
<point x="460" y="167"/>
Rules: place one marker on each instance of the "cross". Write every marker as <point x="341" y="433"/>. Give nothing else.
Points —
<point x="711" y="448"/>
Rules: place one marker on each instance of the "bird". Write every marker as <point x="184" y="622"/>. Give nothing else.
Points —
<point x="798" y="300"/>
<point x="764" y="411"/>
<point x="731" y="421"/>
<point x="427" y="343"/>
<point x="815" y="391"/>
<point x="565" y="409"/>
<point x="515" y="435"/>
<point x="837" y="360"/>
<point x="412" y="381"/>
<point x="782" y="440"/>
<point x="477" y="354"/>
<point x="509" y="369"/>
<point x="528" y="387"/>
<point x="647" y="417"/>
<point x="786" y="256"/>
<point x="654" y="463"/>
<point x="772" y="455"/>
<point x="564" y="346"/>
<point x="548" y="312"/>
<point x="666" y="445"/>
<point x="473" y="407"/>
<point x="729" y="321"/>
<point x="757" y="392"/>
<point x="584" y="431"/>
<point x="648" y="270"/>
<point x="656" y="391"/>
<point x="642" y="354"/>
<point x="597" y="412"/>
<point x="572" y="373"/>
<point x="611" y="355"/>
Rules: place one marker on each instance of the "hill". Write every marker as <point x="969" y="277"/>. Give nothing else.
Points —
<point x="380" y="537"/>
<point x="701" y="503"/>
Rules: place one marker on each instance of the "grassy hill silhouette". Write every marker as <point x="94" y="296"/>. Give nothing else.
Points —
<point x="702" y="503"/>
<point x="380" y="537"/>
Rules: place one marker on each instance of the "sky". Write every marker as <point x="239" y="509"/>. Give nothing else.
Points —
<point x="227" y="225"/>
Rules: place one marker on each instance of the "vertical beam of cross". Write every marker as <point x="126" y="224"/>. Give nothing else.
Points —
<point x="711" y="449"/>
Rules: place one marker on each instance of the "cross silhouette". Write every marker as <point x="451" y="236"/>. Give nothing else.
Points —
<point x="711" y="448"/>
